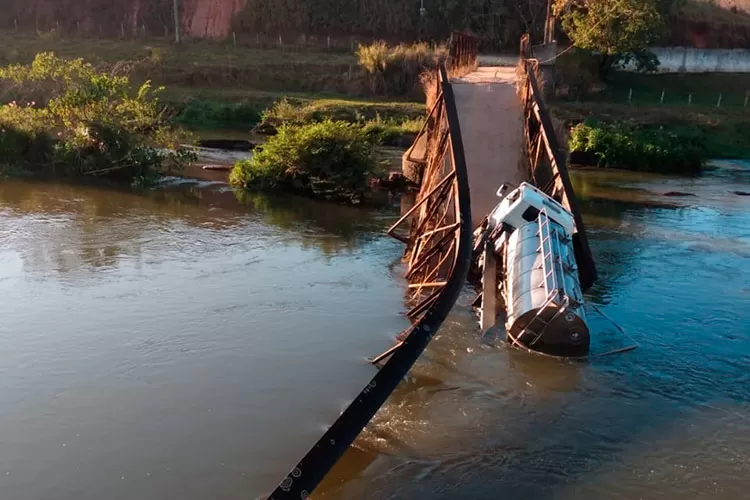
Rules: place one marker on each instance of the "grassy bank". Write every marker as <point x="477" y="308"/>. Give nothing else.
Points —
<point x="66" y="118"/>
<point x="322" y="140"/>
<point x="198" y="64"/>
<point x="661" y="123"/>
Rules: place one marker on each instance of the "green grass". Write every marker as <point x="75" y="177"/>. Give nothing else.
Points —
<point x="704" y="88"/>
<point x="194" y="63"/>
<point x="203" y="115"/>
<point x="722" y="132"/>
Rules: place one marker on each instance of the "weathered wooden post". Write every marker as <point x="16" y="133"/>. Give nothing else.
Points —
<point x="176" y="21"/>
<point x="718" y="103"/>
<point x="690" y="98"/>
<point x="661" y="100"/>
<point x="630" y="96"/>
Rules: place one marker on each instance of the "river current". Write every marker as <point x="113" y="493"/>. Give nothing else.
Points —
<point x="192" y="343"/>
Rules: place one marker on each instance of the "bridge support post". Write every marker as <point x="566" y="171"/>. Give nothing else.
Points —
<point x="488" y="313"/>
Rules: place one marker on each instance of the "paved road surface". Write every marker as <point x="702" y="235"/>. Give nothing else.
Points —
<point x="491" y="118"/>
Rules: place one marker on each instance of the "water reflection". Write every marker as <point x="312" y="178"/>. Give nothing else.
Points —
<point x="66" y="227"/>
<point x="177" y="343"/>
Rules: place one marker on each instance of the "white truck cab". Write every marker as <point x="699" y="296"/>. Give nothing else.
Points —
<point x="522" y="205"/>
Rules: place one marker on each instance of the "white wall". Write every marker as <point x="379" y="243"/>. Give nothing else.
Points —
<point x="692" y="60"/>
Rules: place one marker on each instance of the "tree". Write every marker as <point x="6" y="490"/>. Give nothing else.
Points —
<point x="617" y="31"/>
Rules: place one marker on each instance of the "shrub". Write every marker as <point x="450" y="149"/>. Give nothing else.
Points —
<point x="396" y="70"/>
<point x="23" y="136"/>
<point x="90" y="122"/>
<point x="650" y="149"/>
<point x="311" y="159"/>
<point x="203" y="114"/>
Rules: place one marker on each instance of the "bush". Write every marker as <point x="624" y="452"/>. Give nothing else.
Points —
<point x="651" y="149"/>
<point x="203" y="114"/>
<point x="396" y="126"/>
<point x="396" y="70"/>
<point x="88" y="123"/>
<point x="313" y="159"/>
<point x="23" y="136"/>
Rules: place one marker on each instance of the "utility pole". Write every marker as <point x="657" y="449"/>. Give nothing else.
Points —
<point x="176" y="21"/>
<point x="549" y="24"/>
<point x="422" y="13"/>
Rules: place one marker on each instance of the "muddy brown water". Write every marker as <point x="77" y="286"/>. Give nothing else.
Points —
<point x="192" y="343"/>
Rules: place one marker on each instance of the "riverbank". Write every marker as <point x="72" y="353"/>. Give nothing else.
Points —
<point x="659" y="123"/>
<point x="208" y="89"/>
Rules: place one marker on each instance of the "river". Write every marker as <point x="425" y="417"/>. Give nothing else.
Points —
<point x="191" y="343"/>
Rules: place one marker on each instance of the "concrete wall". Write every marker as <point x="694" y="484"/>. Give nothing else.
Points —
<point x="692" y="60"/>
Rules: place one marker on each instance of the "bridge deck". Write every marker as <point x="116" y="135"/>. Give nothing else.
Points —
<point x="491" y="118"/>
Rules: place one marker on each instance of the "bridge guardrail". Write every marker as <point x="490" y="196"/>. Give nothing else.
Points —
<point x="436" y="276"/>
<point x="462" y="53"/>
<point x="547" y="164"/>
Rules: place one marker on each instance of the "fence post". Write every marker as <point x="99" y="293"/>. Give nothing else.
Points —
<point x="329" y="42"/>
<point x="718" y="103"/>
<point x="690" y="98"/>
<point x="176" y="8"/>
<point x="234" y="38"/>
<point x="350" y="72"/>
<point x="281" y="41"/>
<point x="122" y="30"/>
<point x="747" y="97"/>
<point x="15" y="23"/>
<point x="661" y="100"/>
<point x="630" y="96"/>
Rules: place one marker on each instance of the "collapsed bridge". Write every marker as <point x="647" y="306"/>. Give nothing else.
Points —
<point x="487" y="127"/>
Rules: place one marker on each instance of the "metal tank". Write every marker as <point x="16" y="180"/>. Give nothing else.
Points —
<point x="540" y="285"/>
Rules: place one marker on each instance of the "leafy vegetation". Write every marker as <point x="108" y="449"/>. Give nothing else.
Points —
<point x="84" y="122"/>
<point x="328" y="159"/>
<point x="617" y="32"/>
<point x="396" y="70"/>
<point x="198" y="114"/>
<point x="625" y="146"/>
<point x="396" y="126"/>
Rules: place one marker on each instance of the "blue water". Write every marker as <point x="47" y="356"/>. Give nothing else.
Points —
<point x="188" y="345"/>
<point x="670" y="419"/>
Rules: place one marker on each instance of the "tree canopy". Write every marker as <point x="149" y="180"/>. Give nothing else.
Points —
<point x="614" y="29"/>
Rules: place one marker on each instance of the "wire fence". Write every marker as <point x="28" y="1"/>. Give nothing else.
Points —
<point x="698" y="98"/>
<point x="165" y="33"/>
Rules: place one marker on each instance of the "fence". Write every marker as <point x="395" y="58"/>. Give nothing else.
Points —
<point x="731" y="99"/>
<point x="142" y="32"/>
<point x="463" y="52"/>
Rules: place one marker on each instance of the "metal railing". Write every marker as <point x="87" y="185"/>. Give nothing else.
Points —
<point x="547" y="165"/>
<point x="438" y="250"/>
<point x="463" y="52"/>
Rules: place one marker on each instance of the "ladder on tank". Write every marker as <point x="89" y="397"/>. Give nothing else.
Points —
<point x="551" y="267"/>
